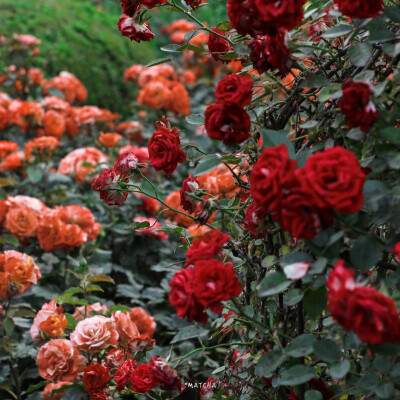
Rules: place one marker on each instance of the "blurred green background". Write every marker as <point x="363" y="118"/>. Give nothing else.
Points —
<point x="81" y="36"/>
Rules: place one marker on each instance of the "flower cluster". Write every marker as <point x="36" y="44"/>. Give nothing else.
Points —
<point x="18" y="272"/>
<point x="63" y="227"/>
<point x="208" y="283"/>
<point x="361" y="309"/>
<point x="303" y="200"/>
<point x="226" y="119"/>
<point x="160" y="88"/>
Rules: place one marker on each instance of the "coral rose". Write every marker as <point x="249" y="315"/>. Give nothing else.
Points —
<point x="110" y="139"/>
<point x="58" y="360"/>
<point x="53" y="124"/>
<point x="126" y="328"/>
<point x="155" y="94"/>
<point x="145" y="323"/>
<point x="79" y="313"/>
<point x="6" y="147"/>
<point x="54" y="326"/>
<point x="47" y="310"/>
<point x="21" y="222"/>
<point x="95" y="334"/>
<point x="51" y="232"/>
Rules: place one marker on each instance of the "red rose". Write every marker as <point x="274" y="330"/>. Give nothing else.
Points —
<point x="340" y="278"/>
<point x="218" y="46"/>
<point x="135" y="31"/>
<point x="164" y="150"/>
<point x="206" y="246"/>
<point x="151" y="3"/>
<point x="215" y="282"/>
<point x="182" y="298"/>
<point x="125" y="163"/>
<point x="334" y="178"/>
<point x="299" y="214"/>
<point x="143" y="379"/>
<point x="193" y="3"/>
<point x="95" y="378"/>
<point x="255" y="222"/>
<point x="357" y="106"/>
<point x="271" y="52"/>
<point x="189" y="185"/>
<point x="268" y="176"/>
<point x="110" y="191"/>
<point x="168" y="377"/>
<point x="360" y="9"/>
<point x="234" y="89"/>
<point x="396" y="250"/>
<point x="129" y="7"/>
<point x="264" y="17"/>
<point x="121" y="376"/>
<point x="227" y="122"/>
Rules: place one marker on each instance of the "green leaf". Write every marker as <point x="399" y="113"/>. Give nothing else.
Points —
<point x="315" y="81"/>
<point x="314" y="302"/>
<point x="293" y="297"/>
<point x="101" y="278"/>
<point x="35" y="174"/>
<point x="313" y="395"/>
<point x="338" y="30"/>
<point x="94" y="288"/>
<point x="269" y="261"/>
<point x="3" y="194"/>
<point x="189" y="332"/>
<point x="73" y="290"/>
<point x="366" y="252"/>
<point x="195" y="119"/>
<point x="38" y="386"/>
<point x="359" y="54"/>
<point x="157" y="62"/>
<point x="138" y="225"/>
<point x="393" y="13"/>
<point x="269" y="362"/>
<point x="273" y="138"/>
<point x="241" y="49"/>
<point x="301" y="345"/>
<point x="296" y="375"/>
<point x="272" y="284"/>
<point x="171" y="48"/>
<point x="71" y="321"/>
<point x="8" y="325"/>
<point x="340" y="369"/>
<point x="207" y="164"/>
<point x="327" y="351"/>
<point x="385" y="390"/>
<point x="330" y="92"/>
<point x="224" y="26"/>
<point x="368" y="382"/>
<point x="390" y="134"/>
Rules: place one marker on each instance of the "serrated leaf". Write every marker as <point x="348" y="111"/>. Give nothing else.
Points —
<point x="138" y="225"/>
<point x="195" y="119"/>
<point x="340" y="369"/>
<point x="157" y="62"/>
<point x="327" y="351"/>
<point x="207" y="164"/>
<point x="8" y="325"/>
<point x="359" y="54"/>
<point x="301" y="345"/>
<point x="188" y="332"/>
<point x="101" y="278"/>
<point x="293" y="297"/>
<point x="224" y="26"/>
<point x="272" y="284"/>
<point x="296" y="375"/>
<point x="94" y="288"/>
<point x="315" y="81"/>
<point x="366" y="252"/>
<point x="73" y="290"/>
<point x="330" y="92"/>
<point x="269" y="362"/>
<point x="338" y="30"/>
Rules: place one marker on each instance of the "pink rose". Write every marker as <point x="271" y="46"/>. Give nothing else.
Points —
<point x="126" y="328"/>
<point x="58" y="360"/>
<point x="79" y="313"/>
<point x="48" y="310"/>
<point x="95" y="334"/>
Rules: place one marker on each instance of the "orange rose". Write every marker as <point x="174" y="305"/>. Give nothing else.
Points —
<point x="6" y="147"/>
<point x="180" y="101"/>
<point x="145" y="323"/>
<point x="44" y="145"/>
<point x="126" y="328"/>
<point x="53" y="123"/>
<point x="50" y="232"/>
<point x="132" y="130"/>
<point x="12" y="162"/>
<point x="58" y="360"/>
<point x="54" y="326"/>
<point x="155" y="94"/>
<point x="21" y="222"/>
<point x="47" y="310"/>
<point x="22" y="271"/>
<point x="174" y="201"/>
<point x="73" y="236"/>
<point x="3" y="118"/>
<point x="109" y="139"/>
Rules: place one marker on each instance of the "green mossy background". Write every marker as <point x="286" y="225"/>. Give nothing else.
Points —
<point x="79" y="38"/>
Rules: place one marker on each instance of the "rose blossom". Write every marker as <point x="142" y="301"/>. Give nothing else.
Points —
<point x="169" y="377"/>
<point x="234" y="89"/>
<point x="218" y="46"/>
<point x="48" y="390"/>
<point x="121" y="376"/>
<point x="360" y="9"/>
<point x="47" y="310"/>
<point x="126" y="328"/>
<point x="95" y="334"/>
<point x="79" y="313"/>
<point x="95" y="378"/>
<point x="125" y="163"/>
<point x="114" y="359"/>
<point x="145" y="323"/>
<point x="142" y="379"/>
<point x="58" y="360"/>
<point x="190" y="185"/>
<point x="227" y="122"/>
<point x="141" y="343"/>
<point x="135" y="31"/>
